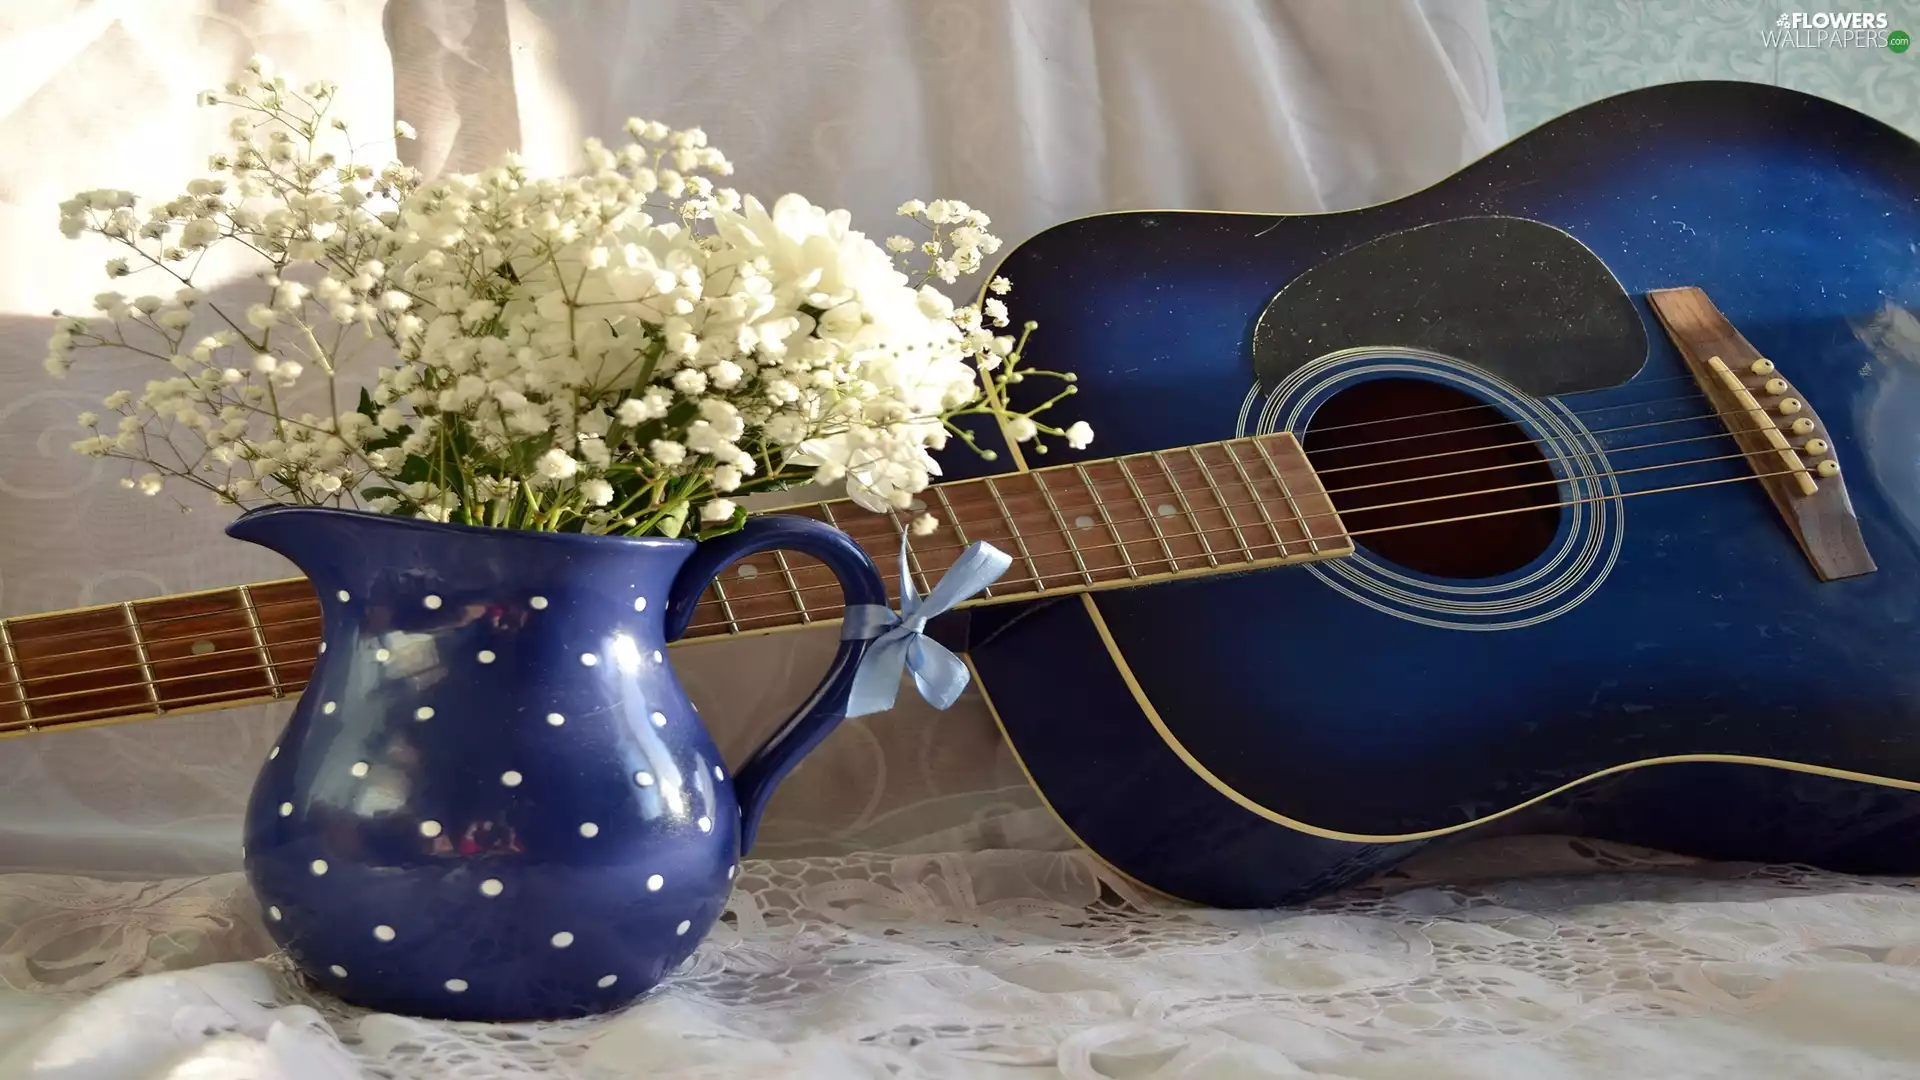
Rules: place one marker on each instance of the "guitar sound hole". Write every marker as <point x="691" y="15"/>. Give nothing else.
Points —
<point x="1398" y="455"/>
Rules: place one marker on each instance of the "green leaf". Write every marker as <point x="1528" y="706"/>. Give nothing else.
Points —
<point x="673" y="520"/>
<point x="731" y="525"/>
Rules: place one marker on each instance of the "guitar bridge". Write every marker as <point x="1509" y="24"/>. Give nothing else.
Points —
<point x="1754" y="399"/>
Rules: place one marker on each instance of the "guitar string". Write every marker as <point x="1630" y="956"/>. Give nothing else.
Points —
<point x="1038" y="581"/>
<point x="1035" y="579"/>
<point x="1180" y="472"/>
<point x="1572" y="393"/>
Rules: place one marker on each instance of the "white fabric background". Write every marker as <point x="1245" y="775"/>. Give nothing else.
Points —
<point x="1036" y="111"/>
<point x="983" y="956"/>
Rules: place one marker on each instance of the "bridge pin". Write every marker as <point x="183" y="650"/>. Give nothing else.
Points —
<point x="1803" y="426"/>
<point x="1789" y="406"/>
<point x="1762" y="366"/>
<point x="1828" y="467"/>
<point x="1815" y="447"/>
<point x="1776" y="386"/>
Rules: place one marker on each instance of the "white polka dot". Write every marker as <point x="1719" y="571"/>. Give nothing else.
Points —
<point x="1166" y="510"/>
<point x="429" y="829"/>
<point x="510" y="778"/>
<point x="749" y="571"/>
<point x="431" y="601"/>
<point x="685" y="925"/>
<point x="338" y="971"/>
<point x="359" y="768"/>
<point x="342" y="594"/>
<point x="424" y="712"/>
<point x="556" y="719"/>
<point x="654" y="881"/>
<point x="705" y="823"/>
<point x="458" y="986"/>
<point x="1083" y="522"/>
<point x="318" y="866"/>
<point x="485" y="657"/>
<point x="644" y="779"/>
<point x="273" y="913"/>
<point x="286" y="809"/>
<point x="607" y="980"/>
<point x="639" y="603"/>
<point x="330" y="707"/>
<point x="273" y="753"/>
<point x="491" y="887"/>
<point x="561" y="940"/>
<point x="731" y="870"/>
<point x="539" y="603"/>
<point x="659" y="719"/>
<point x="589" y="830"/>
<point x="719" y="773"/>
<point x="383" y="932"/>
<point x="659" y="657"/>
<point x="382" y="655"/>
<point x="589" y="659"/>
<point x="323" y="646"/>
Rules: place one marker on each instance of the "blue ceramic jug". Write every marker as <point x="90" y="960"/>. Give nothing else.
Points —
<point x="494" y="801"/>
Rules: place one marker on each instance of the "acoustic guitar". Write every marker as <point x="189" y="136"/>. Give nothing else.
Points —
<point x="1579" y="492"/>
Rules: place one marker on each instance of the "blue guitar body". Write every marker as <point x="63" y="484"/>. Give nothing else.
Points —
<point x="1665" y="669"/>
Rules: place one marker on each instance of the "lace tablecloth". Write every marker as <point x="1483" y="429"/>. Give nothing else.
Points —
<point x="1595" y="961"/>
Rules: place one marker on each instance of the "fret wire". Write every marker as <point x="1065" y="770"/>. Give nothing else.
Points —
<point x="13" y="661"/>
<point x="959" y="533"/>
<point x="260" y="640"/>
<point x="726" y="606"/>
<point x="1219" y="498"/>
<point x="1013" y="527"/>
<point x="793" y="587"/>
<point x="1254" y="493"/>
<point x="1153" y="519"/>
<point x="1039" y="482"/>
<point x="1185" y="507"/>
<point x="1280" y="478"/>
<point x="1106" y="519"/>
<point x="140" y="650"/>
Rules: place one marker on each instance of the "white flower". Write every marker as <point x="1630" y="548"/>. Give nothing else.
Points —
<point x="1079" y="435"/>
<point x="717" y="510"/>
<point x="556" y="465"/>
<point x="260" y="316"/>
<point x="403" y="130"/>
<point x="1000" y="286"/>
<point x="149" y="484"/>
<point x="667" y="452"/>
<point x="596" y="492"/>
<point x="899" y="245"/>
<point x="1021" y="428"/>
<point x="725" y="478"/>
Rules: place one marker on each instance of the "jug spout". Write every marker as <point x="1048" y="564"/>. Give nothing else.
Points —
<point x="299" y="533"/>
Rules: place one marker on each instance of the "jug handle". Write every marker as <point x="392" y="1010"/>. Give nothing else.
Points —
<point x="860" y="583"/>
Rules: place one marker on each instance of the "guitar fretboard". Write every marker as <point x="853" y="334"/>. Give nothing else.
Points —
<point x="1220" y="507"/>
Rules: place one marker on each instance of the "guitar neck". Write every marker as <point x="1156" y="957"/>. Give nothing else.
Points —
<point x="1216" y="508"/>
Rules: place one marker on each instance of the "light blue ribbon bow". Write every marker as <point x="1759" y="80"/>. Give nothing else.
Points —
<point x="903" y="644"/>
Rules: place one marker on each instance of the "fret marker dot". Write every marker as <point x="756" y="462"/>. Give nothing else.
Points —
<point x="685" y="925"/>
<point x="607" y="980"/>
<point x="491" y="887"/>
<point x="329" y="707"/>
<point x="916" y="506"/>
<point x="273" y="913"/>
<point x="556" y="719"/>
<point x="318" y="866"/>
<point x="589" y="830"/>
<point x="705" y="823"/>
<point x="659" y="719"/>
<point x="424" y="712"/>
<point x="538" y="603"/>
<point x="644" y="779"/>
<point x="1166" y="510"/>
<point x="429" y="829"/>
<point x="1083" y="522"/>
<point x="359" y="768"/>
<point x="382" y="655"/>
<point x="431" y="601"/>
<point x="589" y="659"/>
<point x="639" y="603"/>
<point x="343" y="595"/>
<point x="510" y="778"/>
<point x="485" y="657"/>
<point x="457" y="986"/>
<point x="562" y="939"/>
<point x="748" y="570"/>
<point x="654" y="882"/>
<point x="338" y="971"/>
<point x="202" y="648"/>
<point x="383" y="933"/>
<point x="286" y="809"/>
